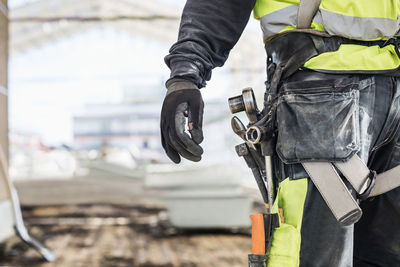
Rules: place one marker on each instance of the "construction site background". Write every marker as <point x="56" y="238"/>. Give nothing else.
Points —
<point x="80" y="98"/>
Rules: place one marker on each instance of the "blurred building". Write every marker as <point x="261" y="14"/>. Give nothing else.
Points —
<point x="99" y="64"/>
<point x="119" y="125"/>
<point x="66" y="54"/>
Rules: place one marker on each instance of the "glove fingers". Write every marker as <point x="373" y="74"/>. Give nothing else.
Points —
<point x="172" y="154"/>
<point x="195" y="118"/>
<point x="197" y="135"/>
<point x="177" y="104"/>
<point x="187" y="142"/>
<point x="196" y="110"/>
<point x="173" y="147"/>
<point x="169" y="150"/>
<point x="182" y="150"/>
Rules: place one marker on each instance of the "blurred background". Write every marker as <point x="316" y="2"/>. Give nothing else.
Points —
<point x="82" y="82"/>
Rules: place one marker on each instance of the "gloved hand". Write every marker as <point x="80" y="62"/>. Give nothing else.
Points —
<point x="183" y="99"/>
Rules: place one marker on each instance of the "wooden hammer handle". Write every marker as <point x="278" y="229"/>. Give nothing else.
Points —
<point x="258" y="234"/>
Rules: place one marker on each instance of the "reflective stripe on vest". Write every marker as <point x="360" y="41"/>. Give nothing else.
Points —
<point x="353" y="19"/>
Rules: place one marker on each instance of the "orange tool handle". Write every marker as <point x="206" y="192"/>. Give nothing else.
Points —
<point x="257" y="234"/>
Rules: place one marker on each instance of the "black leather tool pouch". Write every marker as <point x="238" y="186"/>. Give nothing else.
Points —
<point x="318" y="120"/>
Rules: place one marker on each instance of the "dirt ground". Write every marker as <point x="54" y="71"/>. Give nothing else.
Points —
<point x="104" y="220"/>
<point x="94" y="235"/>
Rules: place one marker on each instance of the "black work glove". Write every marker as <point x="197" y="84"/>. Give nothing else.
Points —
<point x="183" y="100"/>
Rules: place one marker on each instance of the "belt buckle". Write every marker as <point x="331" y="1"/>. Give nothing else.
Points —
<point x="367" y="192"/>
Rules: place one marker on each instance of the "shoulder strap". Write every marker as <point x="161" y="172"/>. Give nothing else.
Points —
<point x="306" y="12"/>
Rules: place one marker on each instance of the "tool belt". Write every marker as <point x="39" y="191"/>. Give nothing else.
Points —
<point x="317" y="122"/>
<point x="312" y="122"/>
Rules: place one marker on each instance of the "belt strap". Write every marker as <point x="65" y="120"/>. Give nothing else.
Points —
<point x="336" y="194"/>
<point x="306" y="12"/>
<point x="357" y="173"/>
<point x="386" y="181"/>
<point x="310" y="43"/>
<point x="333" y="190"/>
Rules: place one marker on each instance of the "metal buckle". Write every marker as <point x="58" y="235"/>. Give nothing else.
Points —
<point x="367" y="192"/>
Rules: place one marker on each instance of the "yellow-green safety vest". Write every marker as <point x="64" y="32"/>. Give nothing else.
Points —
<point x="365" y="20"/>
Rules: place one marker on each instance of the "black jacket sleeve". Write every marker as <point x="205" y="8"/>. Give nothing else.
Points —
<point x="208" y="31"/>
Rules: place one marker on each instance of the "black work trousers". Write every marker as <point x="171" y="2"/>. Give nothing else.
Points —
<point x="375" y="239"/>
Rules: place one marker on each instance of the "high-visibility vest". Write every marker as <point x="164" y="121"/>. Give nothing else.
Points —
<point x="365" y="20"/>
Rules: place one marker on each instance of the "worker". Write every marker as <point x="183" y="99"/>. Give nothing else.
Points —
<point x="338" y="98"/>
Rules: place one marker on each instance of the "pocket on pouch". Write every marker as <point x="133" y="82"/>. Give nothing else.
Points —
<point x="318" y="120"/>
